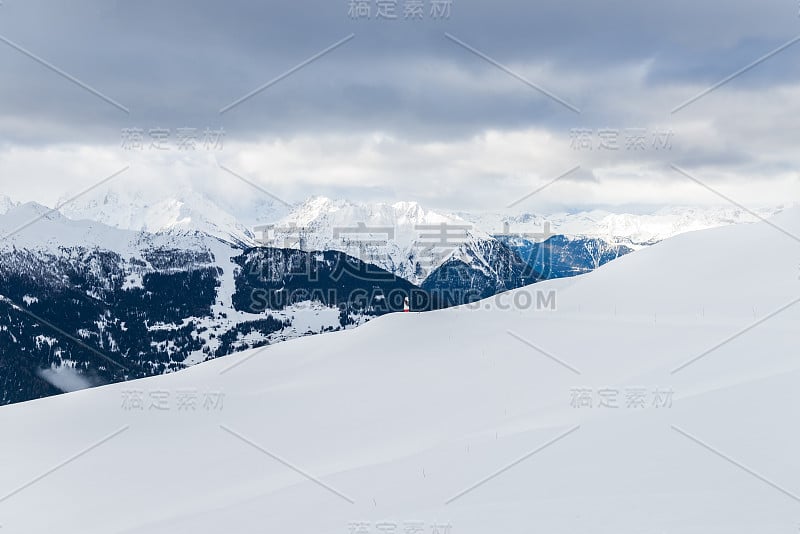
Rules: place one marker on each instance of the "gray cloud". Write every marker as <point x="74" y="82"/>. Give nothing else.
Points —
<point x="624" y="63"/>
<point x="178" y="62"/>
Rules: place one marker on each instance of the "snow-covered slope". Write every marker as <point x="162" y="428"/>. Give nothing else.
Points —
<point x="461" y="418"/>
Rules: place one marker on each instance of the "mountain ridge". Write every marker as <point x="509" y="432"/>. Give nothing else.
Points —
<point x="190" y="210"/>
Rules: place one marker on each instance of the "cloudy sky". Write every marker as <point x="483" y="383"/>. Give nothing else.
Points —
<point x="463" y="105"/>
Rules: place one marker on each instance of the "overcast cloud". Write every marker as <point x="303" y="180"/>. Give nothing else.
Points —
<point x="401" y="111"/>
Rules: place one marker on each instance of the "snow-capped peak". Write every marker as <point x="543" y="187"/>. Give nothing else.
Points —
<point x="187" y="212"/>
<point x="36" y="227"/>
<point x="391" y="236"/>
<point x="340" y="212"/>
<point x="6" y="204"/>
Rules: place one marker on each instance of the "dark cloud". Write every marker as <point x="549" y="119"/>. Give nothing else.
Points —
<point x="176" y="63"/>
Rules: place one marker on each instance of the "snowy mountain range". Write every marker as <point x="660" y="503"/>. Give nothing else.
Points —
<point x="156" y="286"/>
<point x="409" y="240"/>
<point x="658" y="397"/>
<point x="634" y="230"/>
<point x="403" y="238"/>
<point x="101" y="304"/>
<point x="320" y="217"/>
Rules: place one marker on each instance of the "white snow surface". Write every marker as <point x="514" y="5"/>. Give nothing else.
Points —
<point x="448" y="418"/>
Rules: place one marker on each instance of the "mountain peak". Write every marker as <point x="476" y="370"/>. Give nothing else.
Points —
<point x="6" y="204"/>
<point x="183" y="212"/>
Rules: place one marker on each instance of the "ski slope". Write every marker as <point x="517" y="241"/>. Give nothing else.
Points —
<point x="462" y="420"/>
